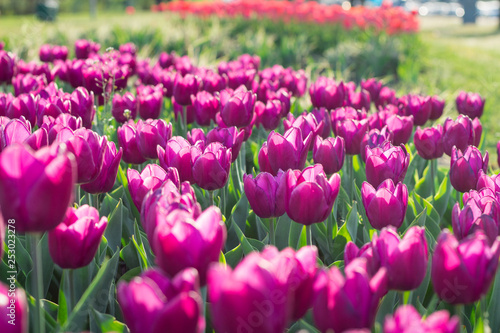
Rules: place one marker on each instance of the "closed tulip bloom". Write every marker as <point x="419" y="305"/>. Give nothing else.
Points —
<point x="213" y="82"/>
<point x="350" y="302"/>
<point x="288" y="151"/>
<point x="205" y="107"/>
<point x="196" y="134"/>
<point x="249" y="298"/>
<point x="150" y="134"/>
<point x="184" y="87"/>
<point x="83" y="48"/>
<point x="263" y="159"/>
<point x="7" y="66"/>
<point x="322" y="115"/>
<point x="152" y="302"/>
<point x="387" y="162"/>
<point x="23" y="105"/>
<point x="238" y="110"/>
<point x="429" y="142"/>
<point x="462" y="272"/>
<point x="88" y="148"/>
<point x="59" y="52"/>
<point x="386" y="96"/>
<point x="437" y="107"/>
<point x="327" y="93"/>
<point x="230" y="137"/>
<point x="74" y="243"/>
<point x="82" y="105"/>
<point x="401" y="127"/>
<point x="151" y="178"/>
<point x="373" y="86"/>
<point x="406" y="319"/>
<point x="5" y="100"/>
<point x="15" y="131"/>
<point x="128" y="140"/>
<point x="478" y="131"/>
<point x="268" y="114"/>
<point x="124" y="107"/>
<point x="375" y="138"/>
<point x="405" y="259"/>
<point x="352" y="131"/>
<point x="41" y="183"/>
<point x="485" y="181"/>
<point x="45" y="53"/>
<point x="107" y="176"/>
<point x="419" y="107"/>
<point x="265" y="193"/>
<point x="386" y="205"/>
<point x="464" y="168"/>
<point x="470" y="104"/>
<point x="307" y="123"/>
<point x="345" y="113"/>
<point x="180" y="154"/>
<point x="459" y="133"/>
<point x="310" y="194"/>
<point x="330" y="153"/>
<point x="180" y="241"/>
<point x="357" y="99"/>
<point x="150" y="101"/>
<point x="13" y="309"/>
<point x="211" y="168"/>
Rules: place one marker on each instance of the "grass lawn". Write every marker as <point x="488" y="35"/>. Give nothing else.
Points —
<point x="454" y="57"/>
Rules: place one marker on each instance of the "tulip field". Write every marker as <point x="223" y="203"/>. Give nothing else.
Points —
<point x="147" y="190"/>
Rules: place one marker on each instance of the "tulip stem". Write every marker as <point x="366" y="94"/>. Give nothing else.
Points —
<point x="484" y="313"/>
<point x="96" y="200"/>
<point x="272" y="237"/>
<point x="210" y="198"/>
<point x="459" y="195"/>
<point x="184" y="119"/>
<point x="71" y="301"/>
<point x="459" y="312"/>
<point x="350" y="173"/>
<point x="433" y="177"/>
<point x="37" y="279"/>
<point x="309" y="234"/>
<point x="77" y="195"/>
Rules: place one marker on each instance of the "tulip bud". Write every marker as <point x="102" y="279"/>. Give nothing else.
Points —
<point x="401" y="127"/>
<point x="264" y="193"/>
<point x="358" y="100"/>
<point x="437" y="107"/>
<point x="195" y="135"/>
<point x="407" y="319"/>
<point x="23" y="105"/>
<point x="464" y="168"/>
<point x="128" y="140"/>
<point x="269" y="114"/>
<point x="7" y="67"/>
<point x="150" y="178"/>
<point x="429" y="142"/>
<point x="322" y="115"/>
<point x="330" y="153"/>
<point x="180" y="154"/>
<point x="478" y="131"/>
<point x="307" y="124"/>
<point x="387" y="162"/>
<point x="211" y="168"/>
<point x="150" y="101"/>
<point x="385" y="205"/>
<point x="386" y="96"/>
<point x="150" y="134"/>
<point x="417" y="106"/>
<point x="74" y="243"/>
<point x="459" y="133"/>
<point x="405" y="259"/>
<point x="213" y="82"/>
<point x="375" y="138"/>
<point x="205" y="107"/>
<point x="310" y="194"/>
<point x="107" y="177"/>
<point x="13" y="308"/>
<point x="181" y="242"/>
<point x="238" y="110"/>
<point x="229" y="137"/>
<point x="124" y="107"/>
<point x="263" y="159"/>
<point x="470" y="104"/>
<point x="151" y="302"/>
<point x="287" y="151"/>
<point x="46" y="175"/>
<point x="373" y="86"/>
<point x="462" y="272"/>
<point x="352" y="131"/>
<point x="82" y="105"/>
<point x="327" y="93"/>
<point x="184" y="87"/>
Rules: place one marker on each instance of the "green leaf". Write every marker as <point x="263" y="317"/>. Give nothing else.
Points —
<point x="239" y="214"/>
<point x="107" y="323"/>
<point x="62" y="312"/>
<point x="95" y="297"/>
<point x="339" y="243"/>
<point x="494" y="305"/>
<point x="245" y="244"/>
<point x="443" y="196"/>
<point x="352" y="221"/>
<point x="113" y="232"/>
<point x="386" y="306"/>
<point x="234" y="256"/>
<point x="23" y="258"/>
<point x="282" y="231"/>
<point x="294" y="235"/>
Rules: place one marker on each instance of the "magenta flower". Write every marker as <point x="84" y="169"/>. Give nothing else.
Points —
<point x="107" y="177"/>
<point x="352" y="131"/>
<point x="330" y="153"/>
<point x="470" y="104"/>
<point x="464" y="168"/>
<point x="386" y="162"/>
<point x="124" y="107"/>
<point x="429" y="142"/>
<point x="128" y="140"/>
<point x="265" y="193"/>
<point x="150" y="134"/>
<point x="459" y="133"/>
<point x="211" y="168"/>
<point x="407" y="319"/>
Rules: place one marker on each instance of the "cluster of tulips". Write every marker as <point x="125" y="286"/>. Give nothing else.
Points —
<point x="53" y="142"/>
<point x="392" y="20"/>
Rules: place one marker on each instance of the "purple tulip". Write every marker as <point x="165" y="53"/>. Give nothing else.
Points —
<point x="478" y="131"/>
<point x="375" y="138"/>
<point x="373" y="86"/>
<point x="358" y="100"/>
<point x="352" y="131"/>
<point x="268" y="114"/>
<point x="470" y="104"/>
<point x="13" y="308"/>
<point x="151" y="302"/>
<point x="180" y="241"/>
<point x="386" y="96"/>
<point x="45" y="53"/>
<point x="310" y="194"/>
<point x="330" y="153"/>
<point x="213" y="82"/>
<point x="195" y="135"/>
<point x="15" y="131"/>
<point x="459" y="133"/>
<point x="184" y="87"/>
<point x="265" y="194"/>
<point x="237" y="78"/>
<point x="107" y="177"/>
<point x="7" y="67"/>
<point x="249" y="298"/>
<point x="5" y="100"/>
<point x="345" y="113"/>
<point x="464" y="168"/>
<point x="263" y="159"/>
<point x="401" y="127"/>
<point x="307" y="123"/>
<point x="405" y="259"/>
<point x="150" y="134"/>
<point x="417" y="106"/>
<point x="462" y="272"/>
<point x="88" y="148"/>
<point x="84" y="48"/>
<point x="387" y="162"/>
<point x="327" y="93"/>
<point x="437" y="107"/>
<point x="322" y="115"/>
<point x="238" y="110"/>
<point x="149" y="101"/>
<point x="349" y="302"/>
<point x="124" y="107"/>
<point x="211" y="168"/>
<point x="180" y="154"/>
<point x="407" y="319"/>
<point x="386" y="205"/>
<point x="59" y="52"/>
<point x="205" y="107"/>
<point x="429" y="142"/>
<point x="287" y="151"/>
<point x="82" y="105"/>
<point x="151" y="178"/>
<point x="23" y="105"/>
<point x="74" y="243"/>
<point x="42" y="183"/>
<point x="230" y="137"/>
<point x="180" y="111"/>
<point x="128" y="140"/>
